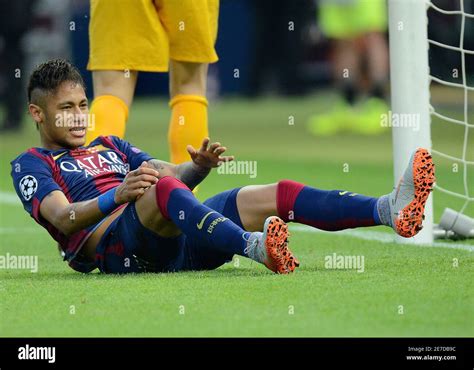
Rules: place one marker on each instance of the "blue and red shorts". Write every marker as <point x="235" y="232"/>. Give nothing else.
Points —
<point x="127" y="246"/>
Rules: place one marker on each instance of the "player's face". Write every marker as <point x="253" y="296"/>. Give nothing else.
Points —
<point x="66" y="116"/>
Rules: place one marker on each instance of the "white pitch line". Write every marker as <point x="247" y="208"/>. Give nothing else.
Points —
<point x="20" y="230"/>
<point x="380" y="237"/>
<point x="9" y="198"/>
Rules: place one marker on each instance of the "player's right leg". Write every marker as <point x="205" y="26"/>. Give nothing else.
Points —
<point x="148" y="236"/>
<point x="176" y="203"/>
<point x="275" y="235"/>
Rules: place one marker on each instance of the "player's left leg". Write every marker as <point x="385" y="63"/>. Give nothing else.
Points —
<point x="402" y="209"/>
<point x="329" y="210"/>
<point x="188" y="123"/>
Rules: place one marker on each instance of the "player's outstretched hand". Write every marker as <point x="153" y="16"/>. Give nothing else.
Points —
<point x="209" y="156"/>
<point x="135" y="184"/>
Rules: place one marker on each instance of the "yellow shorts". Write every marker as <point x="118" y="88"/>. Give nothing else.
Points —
<point x="352" y="18"/>
<point x="143" y="35"/>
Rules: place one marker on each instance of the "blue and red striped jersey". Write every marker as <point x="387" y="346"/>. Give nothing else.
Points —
<point x="81" y="174"/>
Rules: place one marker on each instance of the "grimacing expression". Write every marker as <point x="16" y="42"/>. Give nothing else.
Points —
<point x="65" y="115"/>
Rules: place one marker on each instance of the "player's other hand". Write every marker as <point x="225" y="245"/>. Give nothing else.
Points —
<point x="209" y="156"/>
<point x="135" y="183"/>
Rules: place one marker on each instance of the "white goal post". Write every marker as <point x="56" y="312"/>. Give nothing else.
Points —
<point x="410" y="93"/>
<point x="409" y="81"/>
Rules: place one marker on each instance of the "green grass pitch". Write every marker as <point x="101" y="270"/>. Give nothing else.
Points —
<point x="404" y="290"/>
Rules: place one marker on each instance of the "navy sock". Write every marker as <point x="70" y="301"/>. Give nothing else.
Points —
<point x="198" y="221"/>
<point x="326" y="210"/>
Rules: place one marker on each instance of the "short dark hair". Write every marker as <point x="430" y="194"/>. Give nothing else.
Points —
<point x="49" y="75"/>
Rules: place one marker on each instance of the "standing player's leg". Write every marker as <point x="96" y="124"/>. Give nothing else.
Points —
<point x="378" y="68"/>
<point x="192" y="31"/>
<point x="113" y="96"/>
<point x="340" y="26"/>
<point x="188" y="103"/>
<point x="372" y="23"/>
<point x="402" y="209"/>
<point x="125" y="36"/>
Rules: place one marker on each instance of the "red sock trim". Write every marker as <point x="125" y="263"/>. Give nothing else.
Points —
<point x="163" y="189"/>
<point x="287" y="192"/>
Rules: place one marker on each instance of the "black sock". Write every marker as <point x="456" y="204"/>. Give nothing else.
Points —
<point x="349" y="93"/>
<point x="378" y="90"/>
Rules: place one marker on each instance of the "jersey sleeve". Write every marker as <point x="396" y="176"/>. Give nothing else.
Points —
<point x="135" y="156"/>
<point x="33" y="180"/>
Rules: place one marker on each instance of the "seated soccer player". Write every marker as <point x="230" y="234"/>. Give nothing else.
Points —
<point x="113" y="207"/>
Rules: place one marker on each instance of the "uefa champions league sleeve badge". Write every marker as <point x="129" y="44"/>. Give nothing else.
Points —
<point x="28" y="186"/>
